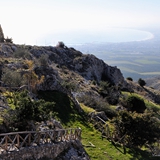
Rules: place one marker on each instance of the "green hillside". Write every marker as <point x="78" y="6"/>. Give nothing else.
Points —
<point x="119" y="118"/>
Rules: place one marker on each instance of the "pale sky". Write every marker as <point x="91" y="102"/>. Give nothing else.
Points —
<point x="27" y="20"/>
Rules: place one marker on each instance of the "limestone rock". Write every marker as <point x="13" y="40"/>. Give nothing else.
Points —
<point x="101" y="114"/>
<point x="88" y="66"/>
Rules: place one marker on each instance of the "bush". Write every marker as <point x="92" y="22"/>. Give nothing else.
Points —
<point x="136" y="104"/>
<point x="97" y="103"/>
<point x="60" y="44"/>
<point x="141" y="82"/>
<point x="22" y="53"/>
<point x="8" y="40"/>
<point x="70" y="86"/>
<point x="43" y="60"/>
<point x="11" y="78"/>
<point x="137" y="129"/>
<point x="27" y="110"/>
<point x="129" y="78"/>
<point x="105" y="85"/>
<point x="109" y="92"/>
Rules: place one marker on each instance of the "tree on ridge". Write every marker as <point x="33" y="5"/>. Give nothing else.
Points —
<point x="1" y="35"/>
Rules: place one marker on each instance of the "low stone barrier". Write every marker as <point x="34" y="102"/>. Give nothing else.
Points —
<point x="47" y="151"/>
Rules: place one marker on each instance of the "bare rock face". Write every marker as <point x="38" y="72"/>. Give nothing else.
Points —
<point x="6" y="49"/>
<point x="74" y="152"/>
<point x="93" y="68"/>
<point x="88" y="66"/>
<point x="51" y="81"/>
<point x="67" y="150"/>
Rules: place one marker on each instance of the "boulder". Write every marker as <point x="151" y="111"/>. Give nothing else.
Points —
<point x="95" y="115"/>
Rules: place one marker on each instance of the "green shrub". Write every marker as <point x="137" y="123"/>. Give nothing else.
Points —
<point x="27" y="110"/>
<point x="136" y="129"/>
<point x="22" y="53"/>
<point x="43" y="60"/>
<point x="64" y="107"/>
<point x="141" y="82"/>
<point x="97" y="103"/>
<point x="11" y="78"/>
<point x="70" y="86"/>
<point x="104" y="85"/>
<point x="109" y="92"/>
<point x="129" y="78"/>
<point x="134" y="103"/>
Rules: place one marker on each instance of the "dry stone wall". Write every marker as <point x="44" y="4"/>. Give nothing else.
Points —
<point x="67" y="150"/>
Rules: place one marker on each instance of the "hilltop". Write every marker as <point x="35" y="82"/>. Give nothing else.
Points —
<point x="39" y="83"/>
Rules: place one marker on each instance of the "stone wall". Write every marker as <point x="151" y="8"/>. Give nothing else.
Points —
<point x="63" y="150"/>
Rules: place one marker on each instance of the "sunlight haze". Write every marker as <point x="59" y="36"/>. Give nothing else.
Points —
<point x="28" y="21"/>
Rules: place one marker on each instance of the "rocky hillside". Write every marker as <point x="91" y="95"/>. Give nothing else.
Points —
<point x="88" y="66"/>
<point x="62" y="68"/>
<point x="60" y="81"/>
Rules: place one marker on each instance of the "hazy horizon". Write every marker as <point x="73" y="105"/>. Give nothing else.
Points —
<point x="27" y="21"/>
<point x="109" y="35"/>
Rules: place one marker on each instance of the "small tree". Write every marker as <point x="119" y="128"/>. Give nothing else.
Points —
<point x="9" y="40"/>
<point x="136" y="104"/>
<point x="141" y="82"/>
<point x="1" y="35"/>
<point x="136" y="129"/>
<point x="60" y="44"/>
<point x="129" y="78"/>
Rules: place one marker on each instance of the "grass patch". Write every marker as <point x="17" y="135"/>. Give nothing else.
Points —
<point x="149" y="104"/>
<point x="86" y="109"/>
<point x="99" y="149"/>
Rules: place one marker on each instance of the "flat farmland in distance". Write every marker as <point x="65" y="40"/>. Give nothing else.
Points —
<point x="137" y="59"/>
<point x="136" y="66"/>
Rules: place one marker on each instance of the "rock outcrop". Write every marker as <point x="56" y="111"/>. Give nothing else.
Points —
<point x="88" y="66"/>
<point x="66" y="70"/>
<point x="71" y="150"/>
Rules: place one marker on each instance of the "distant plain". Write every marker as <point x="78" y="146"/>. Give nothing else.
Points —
<point x="135" y="59"/>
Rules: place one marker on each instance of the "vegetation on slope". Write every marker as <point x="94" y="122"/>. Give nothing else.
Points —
<point x="51" y="105"/>
<point x="24" y="107"/>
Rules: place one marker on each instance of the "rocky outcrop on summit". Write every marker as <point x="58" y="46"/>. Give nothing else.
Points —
<point x="88" y="66"/>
